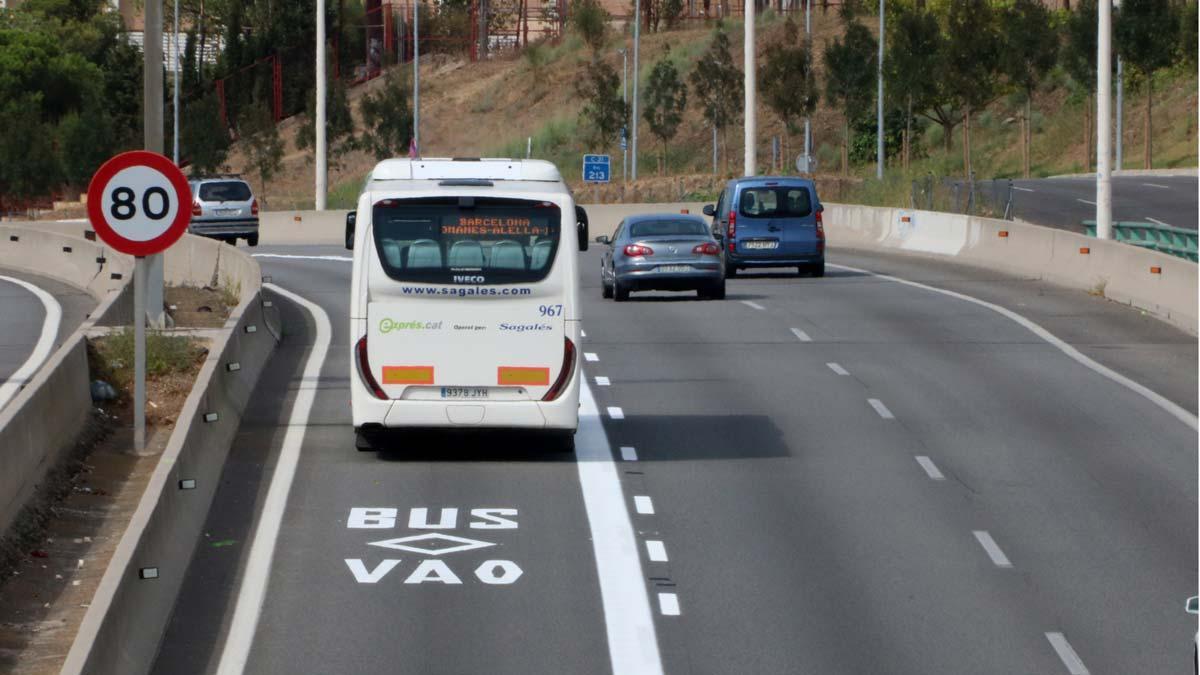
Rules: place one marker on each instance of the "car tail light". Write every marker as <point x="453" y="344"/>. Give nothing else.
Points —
<point x="820" y="231"/>
<point x="196" y="211"/>
<point x="638" y="250"/>
<point x="564" y="376"/>
<point x="254" y="207"/>
<point x="364" y="369"/>
<point x="707" y="249"/>
<point x="732" y="224"/>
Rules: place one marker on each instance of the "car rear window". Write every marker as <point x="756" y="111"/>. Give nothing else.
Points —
<point x="657" y="228"/>
<point x="453" y="241"/>
<point x="775" y="202"/>
<point x="225" y="191"/>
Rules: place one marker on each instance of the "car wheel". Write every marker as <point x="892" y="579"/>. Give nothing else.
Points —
<point x="562" y="441"/>
<point x="620" y="291"/>
<point x="606" y="291"/>
<point x="363" y="441"/>
<point x="252" y="240"/>
<point x="718" y="291"/>
<point x="818" y="270"/>
<point x="730" y="271"/>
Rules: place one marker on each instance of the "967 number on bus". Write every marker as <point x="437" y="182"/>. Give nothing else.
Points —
<point x="550" y="310"/>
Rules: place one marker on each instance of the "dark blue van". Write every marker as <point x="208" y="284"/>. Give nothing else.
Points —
<point x="769" y="221"/>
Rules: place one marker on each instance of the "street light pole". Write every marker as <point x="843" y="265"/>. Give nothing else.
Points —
<point x="625" y="102"/>
<point x="879" y="102"/>
<point x="751" y="158"/>
<point x="322" y="159"/>
<point x="1104" y="122"/>
<point x="175" y="71"/>
<point x="808" y="51"/>
<point x="637" y="33"/>
<point x="416" y="143"/>
<point x="1120" y="113"/>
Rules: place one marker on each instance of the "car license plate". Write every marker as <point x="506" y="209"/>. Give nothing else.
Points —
<point x="227" y="212"/>
<point x="464" y="392"/>
<point x="761" y="244"/>
<point x="674" y="268"/>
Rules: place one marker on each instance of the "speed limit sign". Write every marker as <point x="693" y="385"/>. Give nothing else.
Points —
<point x="139" y="202"/>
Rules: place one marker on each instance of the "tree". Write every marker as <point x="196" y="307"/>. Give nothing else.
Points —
<point x="1031" y="50"/>
<point x="589" y="20"/>
<point x="717" y="85"/>
<point x="915" y="49"/>
<point x="387" y="118"/>
<point x="85" y="141"/>
<point x="786" y="79"/>
<point x="850" y="78"/>
<point x="1079" y="60"/>
<point x="1146" y="38"/>
<point x="29" y="166"/>
<point x="666" y="97"/>
<point x="973" y="53"/>
<point x="261" y="143"/>
<point x="205" y="140"/>
<point x="339" y="125"/>
<point x="1189" y="24"/>
<point x="604" y="114"/>
<point x="190" y="68"/>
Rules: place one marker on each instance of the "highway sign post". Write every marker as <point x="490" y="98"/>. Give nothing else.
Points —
<point x="596" y="169"/>
<point x="139" y="204"/>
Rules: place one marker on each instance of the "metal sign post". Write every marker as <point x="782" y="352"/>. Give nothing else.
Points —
<point x="140" y="205"/>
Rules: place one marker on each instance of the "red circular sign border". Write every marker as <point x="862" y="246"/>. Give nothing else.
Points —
<point x="159" y="163"/>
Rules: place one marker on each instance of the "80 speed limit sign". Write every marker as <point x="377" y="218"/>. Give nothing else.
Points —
<point x="139" y="202"/>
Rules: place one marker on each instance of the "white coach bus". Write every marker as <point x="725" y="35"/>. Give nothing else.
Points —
<point x="464" y="302"/>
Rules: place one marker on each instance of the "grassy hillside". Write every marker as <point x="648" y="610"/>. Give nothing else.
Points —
<point x="492" y="108"/>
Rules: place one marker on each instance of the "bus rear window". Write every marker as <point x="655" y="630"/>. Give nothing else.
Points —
<point x="453" y="241"/>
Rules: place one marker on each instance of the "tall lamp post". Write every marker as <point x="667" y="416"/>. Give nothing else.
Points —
<point x="751" y="158"/>
<point x="637" y="34"/>
<point x="879" y="102"/>
<point x="1104" y="122"/>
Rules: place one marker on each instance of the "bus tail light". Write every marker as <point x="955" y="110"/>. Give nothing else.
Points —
<point x="707" y="249"/>
<point x="564" y="376"/>
<point x="637" y="250"/>
<point x="364" y="369"/>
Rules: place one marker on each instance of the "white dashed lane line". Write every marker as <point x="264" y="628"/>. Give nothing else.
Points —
<point x="668" y="604"/>
<point x="751" y="303"/>
<point x="656" y="550"/>
<point x="602" y="381"/>
<point x="1156" y="221"/>
<point x="643" y="505"/>
<point x="881" y="409"/>
<point x="1086" y="201"/>
<point x="1156" y="185"/>
<point x="837" y="369"/>
<point x="628" y="453"/>
<point x="992" y="549"/>
<point x="616" y="413"/>
<point x="931" y="469"/>
<point x="1024" y="189"/>
<point x="801" y="335"/>
<point x="590" y="356"/>
<point x="1067" y="655"/>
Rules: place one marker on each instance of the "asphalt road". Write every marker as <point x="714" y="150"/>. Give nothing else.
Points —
<point x="838" y="475"/>
<point x="1067" y="202"/>
<point x="22" y="316"/>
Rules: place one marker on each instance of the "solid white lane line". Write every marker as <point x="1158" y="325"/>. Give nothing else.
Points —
<point x="1024" y="189"/>
<point x="616" y="413"/>
<point x="1156" y="185"/>
<point x="881" y="409"/>
<point x="253" y="588"/>
<point x="590" y="356"/>
<point x="284" y="256"/>
<point x="837" y="369"/>
<point x="993" y="550"/>
<point x="628" y="453"/>
<point x="602" y="381"/>
<point x="1086" y="201"/>
<point x="751" y="303"/>
<point x="801" y="335"/>
<point x="668" y="604"/>
<point x="632" y="641"/>
<point x="43" y="346"/>
<point x="931" y="469"/>
<point x="643" y="505"/>
<point x="1162" y="402"/>
<point x="1066" y="654"/>
<point x="656" y="550"/>
<point x="1156" y="221"/>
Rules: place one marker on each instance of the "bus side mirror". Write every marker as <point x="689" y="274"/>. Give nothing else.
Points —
<point x="709" y="210"/>
<point x="351" y="219"/>
<point x="581" y="227"/>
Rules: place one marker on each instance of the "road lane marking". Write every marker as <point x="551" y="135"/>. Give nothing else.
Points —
<point x="751" y="303"/>
<point x="881" y="409"/>
<point x="643" y="505"/>
<point x="668" y="604"/>
<point x="801" y="335"/>
<point x="582" y="333"/>
<point x="284" y="256"/>
<point x="590" y="356"/>
<point x="993" y="550"/>
<point x="837" y="369"/>
<point x="602" y="381"/>
<point x="41" y="349"/>
<point x="616" y="413"/>
<point x="1171" y="408"/>
<point x="931" y="469"/>
<point x="632" y="641"/>
<point x="253" y="588"/>
<point x="628" y="453"/>
<point x="1067" y="655"/>
<point x="1023" y="189"/>
<point x="1156" y="185"/>
<point x="1086" y="201"/>
<point x="656" y="550"/>
<point x="1156" y="221"/>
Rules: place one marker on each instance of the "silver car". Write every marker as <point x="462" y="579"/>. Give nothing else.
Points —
<point x="662" y="252"/>
<point x="224" y="208"/>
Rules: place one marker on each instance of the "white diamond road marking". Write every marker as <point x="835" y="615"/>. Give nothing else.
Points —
<point x="602" y="381"/>
<point x="402" y="544"/>
<point x="668" y="604"/>
<point x="656" y="550"/>
<point x="616" y="413"/>
<point x="1067" y="655"/>
<point x="590" y="356"/>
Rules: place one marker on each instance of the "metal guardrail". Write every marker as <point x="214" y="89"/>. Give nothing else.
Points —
<point x="1173" y="240"/>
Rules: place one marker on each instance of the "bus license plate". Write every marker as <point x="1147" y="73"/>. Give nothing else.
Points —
<point x="674" y="268"/>
<point x="761" y="244"/>
<point x="464" y="392"/>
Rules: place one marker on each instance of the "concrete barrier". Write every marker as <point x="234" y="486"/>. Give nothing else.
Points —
<point x="63" y="253"/>
<point x="128" y="614"/>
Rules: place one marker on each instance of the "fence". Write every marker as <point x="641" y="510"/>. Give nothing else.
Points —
<point x="969" y="196"/>
<point x="1175" y="241"/>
